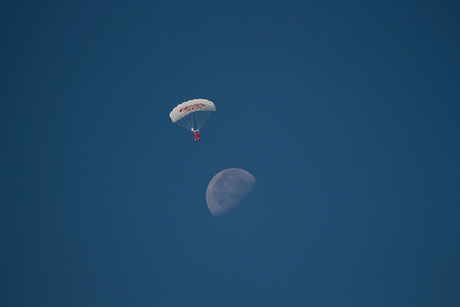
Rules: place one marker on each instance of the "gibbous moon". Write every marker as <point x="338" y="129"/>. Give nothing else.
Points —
<point x="227" y="189"/>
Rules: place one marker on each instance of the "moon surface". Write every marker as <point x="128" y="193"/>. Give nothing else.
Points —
<point x="227" y="189"/>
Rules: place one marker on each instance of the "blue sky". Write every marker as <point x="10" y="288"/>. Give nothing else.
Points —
<point x="346" y="114"/>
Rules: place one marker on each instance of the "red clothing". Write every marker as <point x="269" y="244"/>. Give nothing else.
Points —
<point x="197" y="135"/>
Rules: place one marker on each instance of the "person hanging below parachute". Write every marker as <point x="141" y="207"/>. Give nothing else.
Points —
<point x="196" y="133"/>
<point x="193" y="114"/>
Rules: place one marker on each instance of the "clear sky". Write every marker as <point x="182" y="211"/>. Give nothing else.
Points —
<point x="346" y="112"/>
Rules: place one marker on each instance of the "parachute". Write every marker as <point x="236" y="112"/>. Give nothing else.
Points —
<point x="192" y="114"/>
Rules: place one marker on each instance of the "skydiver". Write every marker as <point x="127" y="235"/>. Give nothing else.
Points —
<point x="196" y="133"/>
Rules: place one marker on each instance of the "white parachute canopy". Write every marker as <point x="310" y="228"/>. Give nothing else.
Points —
<point x="192" y="114"/>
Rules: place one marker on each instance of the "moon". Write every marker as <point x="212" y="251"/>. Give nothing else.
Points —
<point x="227" y="189"/>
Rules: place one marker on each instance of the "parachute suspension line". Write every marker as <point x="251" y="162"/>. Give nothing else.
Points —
<point x="186" y="122"/>
<point x="202" y="117"/>
<point x="194" y="120"/>
<point x="199" y="119"/>
<point x="183" y="122"/>
<point x="205" y="117"/>
<point x="189" y="120"/>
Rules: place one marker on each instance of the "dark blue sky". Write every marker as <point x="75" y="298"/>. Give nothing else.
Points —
<point x="346" y="113"/>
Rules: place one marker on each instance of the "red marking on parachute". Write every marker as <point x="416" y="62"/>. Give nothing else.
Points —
<point x="192" y="107"/>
